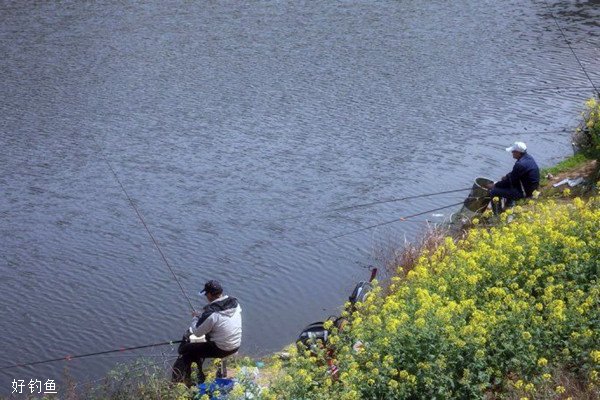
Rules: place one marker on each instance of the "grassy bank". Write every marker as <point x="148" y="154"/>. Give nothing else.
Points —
<point x="508" y="311"/>
<point x="565" y="166"/>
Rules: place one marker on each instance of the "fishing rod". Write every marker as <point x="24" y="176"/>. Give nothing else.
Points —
<point x="399" y="199"/>
<point x="571" y="48"/>
<point x="526" y="132"/>
<point x="388" y="222"/>
<point x="543" y="89"/>
<point x="143" y="222"/>
<point x="171" y="342"/>
<point x="350" y="207"/>
<point x="129" y="371"/>
<point x="72" y="357"/>
<point x="530" y="90"/>
<point x="402" y="219"/>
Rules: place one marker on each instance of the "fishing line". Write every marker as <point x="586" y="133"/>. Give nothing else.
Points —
<point x="387" y="222"/>
<point x="143" y="223"/>
<point x="571" y="48"/>
<point x="69" y="357"/>
<point x="350" y="207"/>
<point x="543" y="89"/>
<point x="404" y="218"/>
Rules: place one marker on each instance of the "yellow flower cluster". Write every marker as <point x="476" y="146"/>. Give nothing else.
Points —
<point x="587" y="137"/>
<point x="518" y="298"/>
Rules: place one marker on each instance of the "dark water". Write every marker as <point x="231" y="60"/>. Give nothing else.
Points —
<point x="223" y="118"/>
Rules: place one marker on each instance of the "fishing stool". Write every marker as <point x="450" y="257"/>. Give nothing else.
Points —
<point x="222" y="369"/>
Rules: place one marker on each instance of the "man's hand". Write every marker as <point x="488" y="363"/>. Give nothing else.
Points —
<point x="489" y="185"/>
<point x="196" y="313"/>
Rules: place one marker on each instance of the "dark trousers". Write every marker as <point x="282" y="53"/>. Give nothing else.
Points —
<point x="507" y="193"/>
<point x="195" y="352"/>
<point x="504" y="190"/>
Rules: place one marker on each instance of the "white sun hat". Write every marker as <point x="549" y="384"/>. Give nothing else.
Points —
<point x="517" y="146"/>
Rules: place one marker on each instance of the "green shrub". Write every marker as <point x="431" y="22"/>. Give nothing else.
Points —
<point x="587" y="136"/>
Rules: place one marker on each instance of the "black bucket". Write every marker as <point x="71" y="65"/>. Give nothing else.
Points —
<point x="479" y="197"/>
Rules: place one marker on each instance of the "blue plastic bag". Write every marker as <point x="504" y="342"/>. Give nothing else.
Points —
<point x="222" y="385"/>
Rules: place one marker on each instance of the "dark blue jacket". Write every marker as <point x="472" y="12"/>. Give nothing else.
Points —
<point x="525" y="176"/>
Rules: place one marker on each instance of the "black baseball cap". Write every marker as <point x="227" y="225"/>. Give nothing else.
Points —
<point x="213" y="287"/>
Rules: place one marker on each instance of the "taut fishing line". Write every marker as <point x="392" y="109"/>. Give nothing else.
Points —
<point x="388" y="222"/>
<point x="143" y="223"/>
<point x="350" y="207"/>
<point x="570" y="47"/>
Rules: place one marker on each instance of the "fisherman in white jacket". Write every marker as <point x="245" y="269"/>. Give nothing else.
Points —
<point x="220" y="323"/>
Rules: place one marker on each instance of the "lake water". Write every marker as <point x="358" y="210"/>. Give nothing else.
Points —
<point x="222" y="120"/>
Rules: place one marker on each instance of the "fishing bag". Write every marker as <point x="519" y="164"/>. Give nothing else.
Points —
<point x="313" y="333"/>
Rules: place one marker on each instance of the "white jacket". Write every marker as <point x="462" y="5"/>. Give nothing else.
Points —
<point x="221" y="322"/>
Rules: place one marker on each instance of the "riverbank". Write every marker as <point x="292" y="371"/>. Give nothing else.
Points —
<point x="509" y="310"/>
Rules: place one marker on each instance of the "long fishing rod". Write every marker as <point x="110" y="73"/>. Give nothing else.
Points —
<point x="388" y="222"/>
<point x="143" y="223"/>
<point x="526" y="132"/>
<point x="398" y="199"/>
<point x="543" y="89"/>
<point x="72" y="357"/>
<point x="129" y="371"/>
<point x="570" y="47"/>
<point x="350" y="207"/>
<point x="531" y="90"/>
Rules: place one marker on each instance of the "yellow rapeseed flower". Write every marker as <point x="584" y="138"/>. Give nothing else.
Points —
<point x="542" y="362"/>
<point x="546" y="376"/>
<point x="530" y="387"/>
<point x="519" y="384"/>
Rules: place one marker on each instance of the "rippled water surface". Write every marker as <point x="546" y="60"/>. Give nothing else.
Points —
<point x="224" y="119"/>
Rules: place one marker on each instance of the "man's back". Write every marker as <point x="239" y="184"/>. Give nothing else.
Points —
<point x="227" y="330"/>
<point x="221" y="322"/>
<point x="527" y="174"/>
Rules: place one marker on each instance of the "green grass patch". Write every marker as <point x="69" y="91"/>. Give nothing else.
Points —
<point x="563" y="166"/>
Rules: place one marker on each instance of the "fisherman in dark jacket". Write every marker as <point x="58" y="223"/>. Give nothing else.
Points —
<point x="218" y="329"/>
<point x="522" y="181"/>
